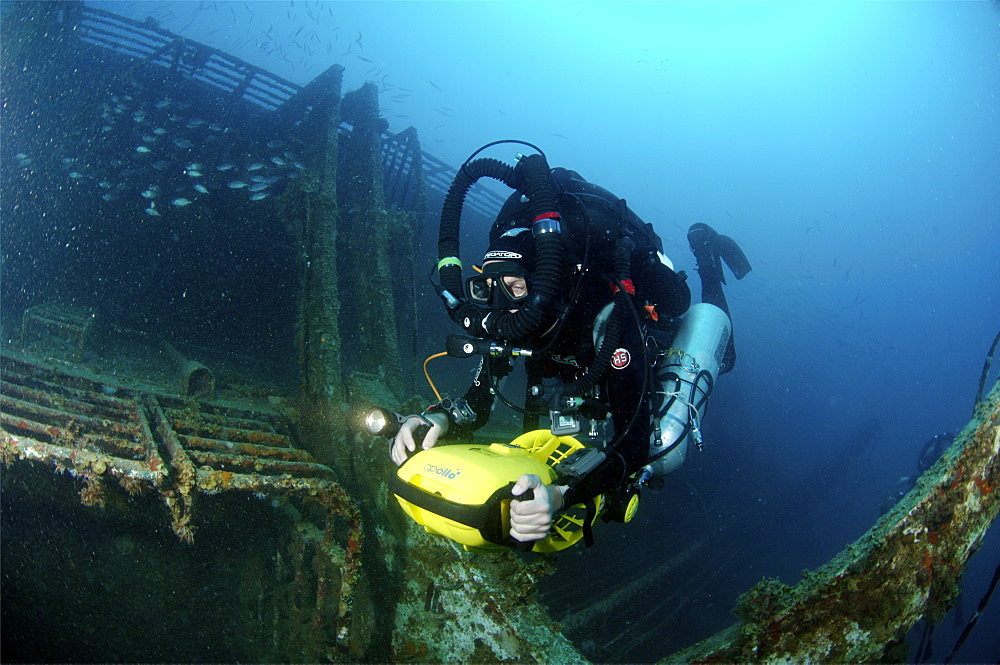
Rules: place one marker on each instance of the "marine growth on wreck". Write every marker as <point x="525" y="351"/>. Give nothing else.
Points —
<point x="183" y="474"/>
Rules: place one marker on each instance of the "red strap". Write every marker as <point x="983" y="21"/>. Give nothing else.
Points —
<point x="548" y="215"/>
<point x="629" y="287"/>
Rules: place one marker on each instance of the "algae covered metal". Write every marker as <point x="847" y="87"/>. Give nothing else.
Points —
<point x="269" y="533"/>
<point x="117" y="445"/>
<point x="860" y="604"/>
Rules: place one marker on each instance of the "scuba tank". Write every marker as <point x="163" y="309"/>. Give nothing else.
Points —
<point x="684" y="376"/>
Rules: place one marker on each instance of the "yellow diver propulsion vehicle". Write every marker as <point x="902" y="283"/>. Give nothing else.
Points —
<point x="463" y="491"/>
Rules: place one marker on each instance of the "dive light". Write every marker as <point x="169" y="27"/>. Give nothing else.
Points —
<point x="386" y="423"/>
<point x="382" y="422"/>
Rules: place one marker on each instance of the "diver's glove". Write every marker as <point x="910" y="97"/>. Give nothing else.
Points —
<point x="417" y="432"/>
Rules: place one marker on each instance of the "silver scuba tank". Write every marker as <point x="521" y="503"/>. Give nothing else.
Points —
<point x="684" y="377"/>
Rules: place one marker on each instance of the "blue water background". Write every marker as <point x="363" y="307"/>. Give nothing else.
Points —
<point x="852" y="149"/>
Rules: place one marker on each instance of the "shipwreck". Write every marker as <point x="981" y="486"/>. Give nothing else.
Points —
<point x="183" y="477"/>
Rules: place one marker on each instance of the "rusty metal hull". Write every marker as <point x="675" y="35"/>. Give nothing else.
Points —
<point x="137" y="444"/>
<point x="905" y="568"/>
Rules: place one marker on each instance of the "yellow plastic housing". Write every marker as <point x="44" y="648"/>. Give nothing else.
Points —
<point x="469" y="474"/>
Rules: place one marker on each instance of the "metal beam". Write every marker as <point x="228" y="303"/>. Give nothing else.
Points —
<point x="907" y="567"/>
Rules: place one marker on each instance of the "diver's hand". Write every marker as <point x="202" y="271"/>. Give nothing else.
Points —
<point x="404" y="443"/>
<point x="531" y="520"/>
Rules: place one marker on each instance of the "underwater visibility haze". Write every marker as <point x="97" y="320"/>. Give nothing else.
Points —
<point x="852" y="150"/>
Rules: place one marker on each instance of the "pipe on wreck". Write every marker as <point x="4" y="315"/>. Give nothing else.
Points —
<point x="906" y="567"/>
<point x="193" y="378"/>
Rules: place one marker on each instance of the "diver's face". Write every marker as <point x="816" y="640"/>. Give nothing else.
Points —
<point x="515" y="288"/>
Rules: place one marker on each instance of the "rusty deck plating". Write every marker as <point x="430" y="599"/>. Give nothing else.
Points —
<point x="108" y="435"/>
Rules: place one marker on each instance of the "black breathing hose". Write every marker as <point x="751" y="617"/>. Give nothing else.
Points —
<point x="596" y="370"/>
<point x="451" y="213"/>
<point x="533" y="178"/>
<point x="538" y="186"/>
<point x="449" y="267"/>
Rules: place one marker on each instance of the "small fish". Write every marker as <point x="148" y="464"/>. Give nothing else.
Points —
<point x="258" y="178"/>
<point x="161" y="164"/>
<point x="181" y="202"/>
<point x="142" y="149"/>
<point x="152" y="211"/>
<point x="195" y="122"/>
<point x="75" y="175"/>
<point x="224" y="167"/>
<point x="216" y="127"/>
<point x="159" y="131"/>
<point x="256" y="166"/>
<point x="275" y="144"/>
<point x="68" y="160"/>
<point x="150" y="193"/>
<point x="278" y="160"/>
<point x="259" y="196"/>
<point x="109" y="196"/>
<point x="193" y="173"/>
<point x="237" y="184"/>
<point x="162" y="104"/>
<point x="139" y="116"/>
<point x="183" y="143"/>
<point x="148" y="138"/>
<point x="105" y="184"/>
<point x="201" y="188"/>
<point x="106" y="128"/>
<point x="194" y="166"/>
<point x="258" y="187"/>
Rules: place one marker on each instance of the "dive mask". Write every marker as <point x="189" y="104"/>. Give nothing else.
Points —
<point x="503" y="285"/>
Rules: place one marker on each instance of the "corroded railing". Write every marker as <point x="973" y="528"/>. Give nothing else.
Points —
<point x="906" y="567"/>
<point x="113" y="438"/>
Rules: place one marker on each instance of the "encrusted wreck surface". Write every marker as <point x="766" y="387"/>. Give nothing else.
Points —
<point x="905" y="568"/>
<point x="206" y="527"/>
<point x="117" y="463"/>
<point x="123" y="450"/>
<point x="460" y="607"/>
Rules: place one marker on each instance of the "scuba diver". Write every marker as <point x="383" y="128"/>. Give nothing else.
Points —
<point x="578" y="284"/>
<point x="929" y="454"/>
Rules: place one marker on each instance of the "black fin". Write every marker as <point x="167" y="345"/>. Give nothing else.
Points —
<point x="733" y="256"/>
